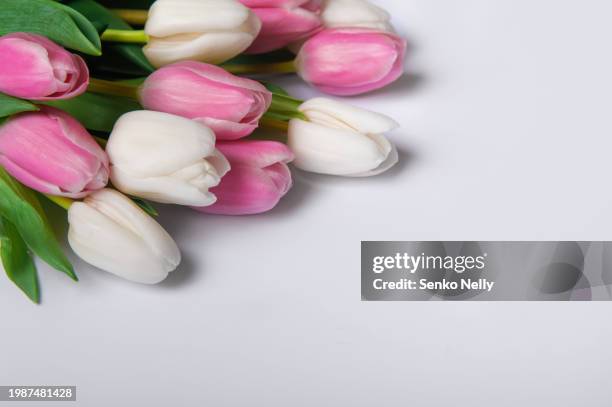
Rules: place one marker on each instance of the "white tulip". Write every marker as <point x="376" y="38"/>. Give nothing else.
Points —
<point x="341" y="139"/>
<point x="211" y="31"/>
<point x="165" y="158"/>
<point x="355" y="13"/>
<point x="112" y="233"/>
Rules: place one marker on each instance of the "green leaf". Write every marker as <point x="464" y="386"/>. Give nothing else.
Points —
<point x="10" y="105"/>
<point x="20" y="206"/>
<point x="145" y="206"/>
<point x="95" y="111"/>
<point x="54" y="20"/>
<point x="100" y="15"/>
<point x="284" y="107"/>
<point x="100" y="27"/>
<point x="17" y="262"/>
<point x="282" y="116"/>
<point x="277" y="90"/>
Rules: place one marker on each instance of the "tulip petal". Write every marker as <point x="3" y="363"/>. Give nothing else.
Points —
<point x="282" y="26"/>
<point x="220" y="75"/>
<point x="213" y="48"/>
<point x="172" y="17"/>
<point x="219" y="162"/>
<point x="227" y="130"/>
<point x="31" y="180"/>
<point x="258" y="179"/>
<point x="75" y="132"/>
<point x="231" y="106"/>
<point x="51" y="152"/>
<point x="185" y="93"/>
<point x="77" y="76"/>
<point x="39" y="69"/>
<point x="351" y="61"/>
<point x="165" y="158"/>
<point x="334" y="151"/>
<point x="167" y="189"/>
<point x="29" y="73"/>
<point x="392" y="159"/>
<point x="363" y="60"/>
<point x="341" y="115"/>
<point x="280" y="175"/>
<point x="210" y="31"/>
<point x="259" y="154"/>
<point x="355" y="13"/>
<point x="246" y="190"/>
<point x="146" y="143"/>
<point x="112" y="233"/>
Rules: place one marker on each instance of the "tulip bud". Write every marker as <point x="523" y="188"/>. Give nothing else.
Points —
<point x="259" y="178"/>
<point x="34" y="67"/>
<point x="51" y="152"/>
<point x="210" y="31"/>
<point x="339" y="139"/>
<point x="283" y="22"/>
<point x="110" y="232"/>
<point x="231" y="106"/>
<point x="355" y="13"/>
<point x="165" y="158"/>
<point x="351" y="61"/>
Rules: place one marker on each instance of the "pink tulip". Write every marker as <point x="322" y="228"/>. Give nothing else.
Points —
<point x="258" y="179"/>
<point x="351" y="61"/>
<point x="283" y="22"/>
<point x="51" y="152"/>
<point x="33" y="67"/>
<point x="231" y="106"/>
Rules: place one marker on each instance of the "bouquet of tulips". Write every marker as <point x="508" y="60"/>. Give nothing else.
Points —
<point x="109" y="106"/>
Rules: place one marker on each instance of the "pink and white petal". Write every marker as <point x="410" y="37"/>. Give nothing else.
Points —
<point x="227" y="130"/>
<point x="185" y="93"/>
<point x="280" y="174"/>
<point x="218" y="74"/>
<point x="245" y="190"/>
<point x="256" y="153"/>
<point x="30" y="74"/>
<point x="30" y="180"/>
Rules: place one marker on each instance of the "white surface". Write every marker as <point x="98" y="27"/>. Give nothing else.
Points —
<point x="506" y="135"/>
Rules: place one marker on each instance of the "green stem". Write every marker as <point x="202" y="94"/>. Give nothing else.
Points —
<point x="274" y="124"/>
<point x="125" y="36"/>
<point x="113" y="88"/>
<point x="60" y="201"/>
<point x="286" y="106"/>
<point x="287" y="98"/>
<point x="132" y="16"/>
<point x="244" y="69"/>
<point x="102" y="142"/>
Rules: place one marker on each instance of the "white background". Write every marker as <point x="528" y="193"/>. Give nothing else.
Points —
<point x="506" y="135"/>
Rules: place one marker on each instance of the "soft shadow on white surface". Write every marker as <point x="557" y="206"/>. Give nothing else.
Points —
<point x="184" y="274"/>
<point x="406" y="85"/>
<point x="407" y="159"/>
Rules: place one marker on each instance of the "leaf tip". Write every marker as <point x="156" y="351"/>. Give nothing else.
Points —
<point x="69" y="271"/>
<point x="35" y="299"/>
